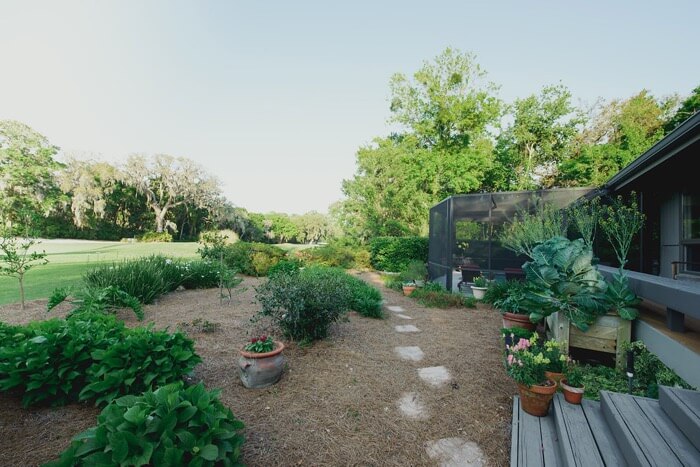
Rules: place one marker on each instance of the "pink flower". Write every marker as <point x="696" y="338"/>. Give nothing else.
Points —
<point x="263" y="337"/>
<point x="510" y="359"/>
<point x="254" y="340"/>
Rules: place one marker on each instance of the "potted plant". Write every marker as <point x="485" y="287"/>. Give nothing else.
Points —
<point x="479" y="287"/>
<point x="511" y="336"/>
<point x="415" y="273"/>
<point x="261" y="362"/>
<point x="507" y="298"/>
<point x="408" y="288"/>
<point x="554" y="352"/>
<point x="526" y="364"/>
<point x="572" y="384"/>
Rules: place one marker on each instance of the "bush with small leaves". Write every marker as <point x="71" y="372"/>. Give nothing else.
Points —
<point x="169" y="426"/>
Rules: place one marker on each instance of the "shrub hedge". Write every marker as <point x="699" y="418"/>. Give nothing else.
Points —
<point x="394" y="253"/>
<point x="169" y="426"/>
<point x="251" y="259"/>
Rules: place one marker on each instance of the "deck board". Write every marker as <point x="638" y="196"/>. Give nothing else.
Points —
<point x="530" y="440"/>
<point x="584" y="450"/>
<point x="604" y="438"/>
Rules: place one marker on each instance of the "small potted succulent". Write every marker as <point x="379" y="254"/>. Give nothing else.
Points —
<point x="261" y="362"/>
<point x="526" y="364"/>
<point x="572" y="384"/>
<point x="479" y="287"/>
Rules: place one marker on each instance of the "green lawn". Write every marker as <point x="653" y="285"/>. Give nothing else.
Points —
<point x="68" y="259"/>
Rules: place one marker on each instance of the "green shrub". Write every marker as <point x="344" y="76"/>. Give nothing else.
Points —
<point x="284" y="267"/>
<point x="251" y="259"/>
<point x="90" y="356"/>
<point x="306" y="303"/>
<point x="198" y="274"/>
<point x="170" y="426"/>
<point x="328" y="255"/>
<point x="415" y="270"/>
<point x="394" y="253"/>
<point x="366" y="300"/>
<point x="442" y="298"/>
<point x="392" y="282"/>
<point x="151" y="236"/>
<point x="507" y="297"/>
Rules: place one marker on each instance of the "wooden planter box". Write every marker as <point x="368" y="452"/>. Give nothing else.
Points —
<point x="608" y="334"/>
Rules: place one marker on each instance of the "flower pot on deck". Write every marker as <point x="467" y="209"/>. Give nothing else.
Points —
<point x="572" y="394"/>
<point x="535" y="400"/>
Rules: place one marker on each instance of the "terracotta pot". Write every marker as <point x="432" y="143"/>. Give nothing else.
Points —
<point x="478" y="292"/>
<point x="556" y="377"/>
<point x="535" y="399"/>
<point x="511" y="320"/>
<point x="408" y="289"/>
<point x="260" y="370"/>
<point x="571" y="394"/>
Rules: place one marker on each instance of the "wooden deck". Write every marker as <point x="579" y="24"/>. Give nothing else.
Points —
<point x="618" y="431"/>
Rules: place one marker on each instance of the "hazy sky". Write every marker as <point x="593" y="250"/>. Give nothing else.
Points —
<point x="275" y="97"/>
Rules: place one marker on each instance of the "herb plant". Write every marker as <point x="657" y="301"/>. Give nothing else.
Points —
<point x="260" y="344"/>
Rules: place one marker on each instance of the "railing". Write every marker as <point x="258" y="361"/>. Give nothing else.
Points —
<point x="675" y="264"/>
<point x="679" y="297"/>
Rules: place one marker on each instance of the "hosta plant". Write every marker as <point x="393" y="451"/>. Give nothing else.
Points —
<point x="169" y="426"/>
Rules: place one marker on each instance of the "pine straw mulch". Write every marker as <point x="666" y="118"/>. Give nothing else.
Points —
<point x="336" y="403"/>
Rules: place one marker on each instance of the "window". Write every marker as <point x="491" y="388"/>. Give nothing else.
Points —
<point x="691" y="233"/>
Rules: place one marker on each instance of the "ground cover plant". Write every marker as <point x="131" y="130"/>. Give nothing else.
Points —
<point x="434" y="296"/>
<point x="95" y="299"/>
<point x="169" y="426"/>
<point x="89" y="356"/>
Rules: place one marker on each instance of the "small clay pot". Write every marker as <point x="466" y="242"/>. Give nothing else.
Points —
<point x="571" y="394"/>
<point x="556" y="377"/>
<point x="535" y="400"/>
<point x="408" y="289"/>
<point x="512" y="320"/>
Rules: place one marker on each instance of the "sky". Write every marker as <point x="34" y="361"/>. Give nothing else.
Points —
<point x="274" y="98"/>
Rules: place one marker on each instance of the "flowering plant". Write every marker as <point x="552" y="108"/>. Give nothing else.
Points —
<point x="481" y="281"/>
<point x="574" y="375"/>
<point x="260" y="344"/>
<point x="526" y="362"/>
<point x="557" y="359"/>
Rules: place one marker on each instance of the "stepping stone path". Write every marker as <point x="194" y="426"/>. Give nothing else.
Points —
<point x="406" y="328"/>
<point x="411" y="406"/>
<point x="447" y="452"/>
<point x="434" y="375"/>
<point x="455" y="452"/>
<point x="410" y="353"/>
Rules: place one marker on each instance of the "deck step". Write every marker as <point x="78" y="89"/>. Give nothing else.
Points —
<point x="682" y="406"/>
<point x="644" y="434"/>
<point x="577" y="444"/>
<point x="534" y="440"/>
<point x="604" y="438"/>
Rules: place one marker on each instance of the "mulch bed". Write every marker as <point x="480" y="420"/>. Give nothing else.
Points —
<point x="337" y="401"/>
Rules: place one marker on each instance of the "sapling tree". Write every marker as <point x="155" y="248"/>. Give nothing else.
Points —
<point x="620" y="222"/>
<point x="16" y="259"/>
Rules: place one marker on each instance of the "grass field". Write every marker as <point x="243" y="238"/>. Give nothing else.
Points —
<point x="69" y="259"/>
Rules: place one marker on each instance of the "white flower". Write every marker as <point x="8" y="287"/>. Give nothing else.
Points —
<point x="168" y="261"/>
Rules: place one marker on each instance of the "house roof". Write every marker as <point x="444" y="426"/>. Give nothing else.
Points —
<point x="686" y="134"/>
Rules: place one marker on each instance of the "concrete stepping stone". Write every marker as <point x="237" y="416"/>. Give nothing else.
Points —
<point x="434" y="375"/>
<point x="455" y="452"/>
<point x="414" y="354"/>
<point x="404" y="316"/>
<point x="406" y="328"/>
<point x="411" y="406"/>
<point x="395" y="308"/>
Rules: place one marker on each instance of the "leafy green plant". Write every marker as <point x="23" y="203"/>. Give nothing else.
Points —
<point x="394" y="253"/>
<point x="199" y="325"/>
<point x="305" y="304"/>
<point x="392" y="282"/>
<point x="507" y="297"/>
<point x="144" y="278"/>
<point x="650" y="371"/>
<point x="561" y="278"/>
<point x="169" y="426"/>
<point x="365" y="299"/>
<point x="526" y="363"/>
<point x="16" y="260"/>
<point x="574" y="375"/>
<point x="516" y="332"/>
<point x="251" y="259"/>
<point x="552" y="351"/>
<point x="90" y="356"/>
<point x="585" y="216"/>
<point x="620" y="298"/>
<point x="331" y="255"/>
<point x="481" y="281"/>
<point x="261" y="344"/>
<point x="96" y="300"/>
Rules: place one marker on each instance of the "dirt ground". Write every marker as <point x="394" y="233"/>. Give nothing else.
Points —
<point x="337" y="401"/>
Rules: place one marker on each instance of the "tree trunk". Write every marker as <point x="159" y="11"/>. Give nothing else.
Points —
<point x="21" y="291"/>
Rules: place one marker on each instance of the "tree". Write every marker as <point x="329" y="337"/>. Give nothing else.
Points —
<point x="531" y="148"/>
<point x="89" y="185"/>
<point x="619" y="132"/>
<point x="16" y="259"/>
<point x="312" y="227"/>
<point x="167" y="182"/>
<point x="27" y="168"/>
<point x="686" y="110"/>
